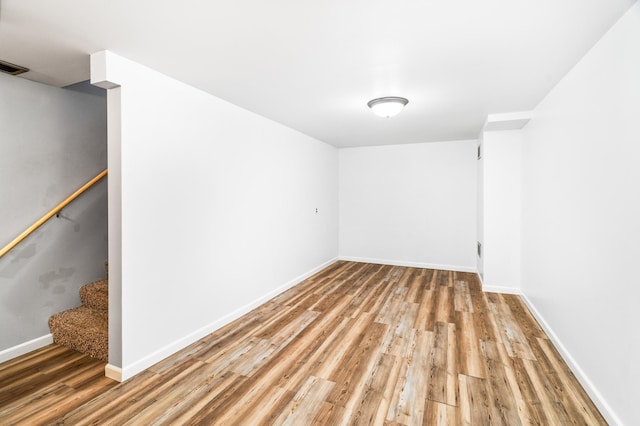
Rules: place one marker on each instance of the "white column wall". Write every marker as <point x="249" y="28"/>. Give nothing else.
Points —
<point x="218" y="210"/>
<point x="502" y="198"/>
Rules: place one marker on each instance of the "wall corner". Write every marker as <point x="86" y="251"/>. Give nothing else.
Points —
<point x="99" y="70"/>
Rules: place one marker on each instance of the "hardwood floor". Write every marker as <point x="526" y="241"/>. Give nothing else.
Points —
<point x="356" y="343"/>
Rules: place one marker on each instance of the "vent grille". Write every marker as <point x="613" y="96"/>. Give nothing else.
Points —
<point x="12" y="69"/>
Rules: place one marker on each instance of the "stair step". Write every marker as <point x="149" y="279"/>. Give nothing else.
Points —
<point x="96" y="295"/>
<point x="83" y="329"/>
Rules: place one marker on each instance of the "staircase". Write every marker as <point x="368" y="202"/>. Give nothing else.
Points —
<point x="86" y="328"/>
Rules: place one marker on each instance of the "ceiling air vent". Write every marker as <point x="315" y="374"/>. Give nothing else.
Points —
<point x="12" y="69"/>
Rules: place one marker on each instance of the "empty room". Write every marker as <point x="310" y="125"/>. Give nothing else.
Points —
<point x="385" y="213"/>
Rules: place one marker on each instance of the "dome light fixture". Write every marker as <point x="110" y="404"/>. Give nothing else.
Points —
<point x="387" y="107"/>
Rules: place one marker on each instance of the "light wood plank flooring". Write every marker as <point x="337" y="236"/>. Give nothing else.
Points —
<point x="355" y="344"/>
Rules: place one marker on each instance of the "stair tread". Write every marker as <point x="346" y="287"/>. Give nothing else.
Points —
<point x="83" y="329"/>
<point x="96" y="295"/>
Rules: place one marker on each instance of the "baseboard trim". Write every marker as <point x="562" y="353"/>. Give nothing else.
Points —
<point x="456" y="268"/>
<point x="500" y="289"/>
<point x="136" y="367"/>
<point x="113" y="372"/>
<point x="26" y="347"/>
<point x="595" y="395"/>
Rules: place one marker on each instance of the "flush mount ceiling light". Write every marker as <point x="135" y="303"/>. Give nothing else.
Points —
<point x="388" y="106"/>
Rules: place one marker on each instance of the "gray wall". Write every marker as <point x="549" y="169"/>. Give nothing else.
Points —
<point x="52" y="141"/>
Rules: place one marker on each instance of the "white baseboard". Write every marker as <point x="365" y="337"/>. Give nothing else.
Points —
<point x="136" y="367"/>
<point x="410" y="264"/>
<point x="26" y="347"/>
<point x="113" y="372"/>
<point x="597" y="398"/>
<point x="501" y="289"/>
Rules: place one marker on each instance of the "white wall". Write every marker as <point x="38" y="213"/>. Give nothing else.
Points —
<point x="53" y="142"/>
<point x="218" y="209"/>
<point x="581" y="217"/>
<point x="502" y="186"/>
<point x="410" y="204"/>
<point x="480" y="208"/>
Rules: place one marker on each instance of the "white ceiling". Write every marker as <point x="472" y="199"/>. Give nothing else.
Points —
<point x="313" y="65"/>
